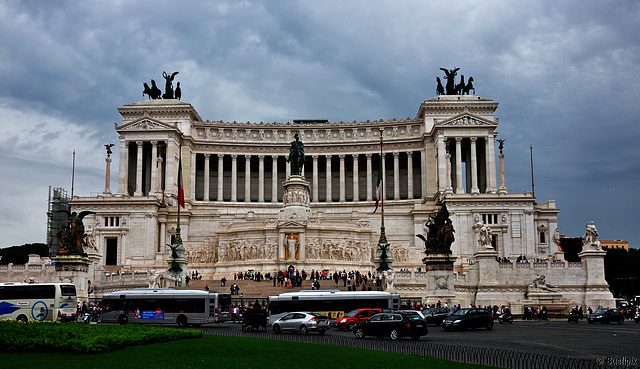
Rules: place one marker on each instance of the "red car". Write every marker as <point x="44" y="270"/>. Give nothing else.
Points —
<point x="354" y="317"/>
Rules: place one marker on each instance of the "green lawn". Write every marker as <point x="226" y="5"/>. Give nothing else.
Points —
<point x="227" y="352"/>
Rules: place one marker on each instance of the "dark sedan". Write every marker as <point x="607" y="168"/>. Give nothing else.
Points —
<point x="435" y="315"/>
<point x="393" y="325"/>
<point x="468" y="318"/>
<point x="606" y="316"/>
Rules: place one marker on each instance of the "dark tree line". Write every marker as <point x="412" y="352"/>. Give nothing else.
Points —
<point x="20" y="254"/>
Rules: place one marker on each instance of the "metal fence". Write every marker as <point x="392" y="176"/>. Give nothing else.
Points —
<point x="476" y="355"/>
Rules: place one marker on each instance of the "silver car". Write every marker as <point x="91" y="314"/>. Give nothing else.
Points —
<point x="303" y="322"/>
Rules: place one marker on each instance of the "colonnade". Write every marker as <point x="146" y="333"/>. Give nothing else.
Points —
<point x="333" y="177"/>
<point x="478" y="173"/>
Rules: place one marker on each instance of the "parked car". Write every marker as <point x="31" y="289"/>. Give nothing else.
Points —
<point x="303" y="322"/>
<point x="354" y="317"/>
<point x="606" y="316"/>
<point x="393" y="325"/>
<point x="468" y="318"/>
<point x="435" y="315"/>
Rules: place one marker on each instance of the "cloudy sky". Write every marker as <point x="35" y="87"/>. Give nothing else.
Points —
<point x="566" y="75"/>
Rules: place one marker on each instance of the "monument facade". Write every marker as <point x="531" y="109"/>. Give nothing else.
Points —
<point x="246" y="208"/>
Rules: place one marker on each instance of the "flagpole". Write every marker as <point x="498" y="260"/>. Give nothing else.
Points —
<point x="382" y="183"/>
<point x="73" y="172"/>
<point x="178" y="236"/>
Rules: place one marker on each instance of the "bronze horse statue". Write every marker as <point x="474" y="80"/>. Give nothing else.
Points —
<point x="469" y="87"/>
<point x="439" y="87"/>
<point x="153" y="92"/>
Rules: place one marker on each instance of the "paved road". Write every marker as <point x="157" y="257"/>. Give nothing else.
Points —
<point x="557" y="338"/>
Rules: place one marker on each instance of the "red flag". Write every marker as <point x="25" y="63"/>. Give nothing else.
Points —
<point x="180" y="185"/>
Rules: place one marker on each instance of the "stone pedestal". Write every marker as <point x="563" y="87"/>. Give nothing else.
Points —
<point x="488" y="291"/>
<point x="597" y="292"/>
<point x="74" y="269"/>
<point x="440" y="280"/>
<point x="296" y="200"/>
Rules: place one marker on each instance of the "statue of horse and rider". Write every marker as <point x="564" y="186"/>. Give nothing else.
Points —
<point x="451" y="87"/>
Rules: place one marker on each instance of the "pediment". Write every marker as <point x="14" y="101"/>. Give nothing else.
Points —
<point x="145" y="124"/>
<point x="292" y="224"/>
<point x="466" y="120"/>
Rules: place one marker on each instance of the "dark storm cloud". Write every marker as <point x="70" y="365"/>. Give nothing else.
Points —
<point x="563" y="73"/>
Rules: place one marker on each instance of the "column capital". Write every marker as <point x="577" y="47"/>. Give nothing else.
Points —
<point x="207" y="155"/>
<point x="154" y="142"/>
<point x="368" y="155"/>
<point x="458" y="139"/>
<point x="473" y="139"/>
<point x="248" y="156"/>
<point x="220" y="156"/>
<point x="396" y="154"/>
<point x="234" y="156"/>
<point x="328" y="156"/>
<point x="139" y="142"/>
<point x="261" y="157"/>
<point x="341" y="156"/>
<point x="315" y="157"/>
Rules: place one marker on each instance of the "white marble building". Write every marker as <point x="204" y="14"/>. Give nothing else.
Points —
<point x="233" y="181"/>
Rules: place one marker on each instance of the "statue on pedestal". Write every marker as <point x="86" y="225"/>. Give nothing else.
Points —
<point x="590" y="238"/>
<point x="484" y="238"/>
<point x="72" y="237"/>
<point x="440" y="232"/>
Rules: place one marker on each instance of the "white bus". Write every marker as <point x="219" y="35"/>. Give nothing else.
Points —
<point x="166" y="306"/>
<point x="333" y="303"/>
<point x="25" y="302"/>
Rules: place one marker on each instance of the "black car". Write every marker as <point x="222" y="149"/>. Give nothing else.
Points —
<point x="606" y="316"/>
<point x="393" y="325"/>
<point x="435" y="315"/>
<point x="468" y="318"/>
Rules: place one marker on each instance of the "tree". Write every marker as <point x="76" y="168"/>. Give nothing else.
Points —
<point x="571" y="247"/>
<point x="20" y="254"/>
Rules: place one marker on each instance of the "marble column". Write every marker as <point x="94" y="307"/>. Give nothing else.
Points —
<point x="247" y="178"/>
<point x="491" y="163"/>
<point x="442" y="164"/>
<point x="343" y="182"/>
<point x="107" y="179"/>
<point x="206" y="177"/>
<point x="139" y="170"/>
<point x="328" y="190"/>
<point x="449" y="190"/>
<point x="356" y="174"/>
<point x="260" y="178"/>
<point x="503" y="186"/>
<point x="474" y="167"/>
<point x="396" y="176"/>
<point x="159" y="184"/>
<point x="459" y="187"/>
<point x="123" y="177"/>
<point x="410" y="175"/>
<point x="154" y="165"/>
<point x="234" y="178"/>
<point x="369" y="178"/>
<point x="315" y="178"/>
<point x="274" y="178"/>
<point x="220" y="196"/>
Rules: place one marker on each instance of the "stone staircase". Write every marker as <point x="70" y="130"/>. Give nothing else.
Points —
<point x="261" y="290"/>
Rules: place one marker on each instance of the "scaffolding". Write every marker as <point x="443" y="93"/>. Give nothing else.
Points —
<point x="57" y="216"/>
